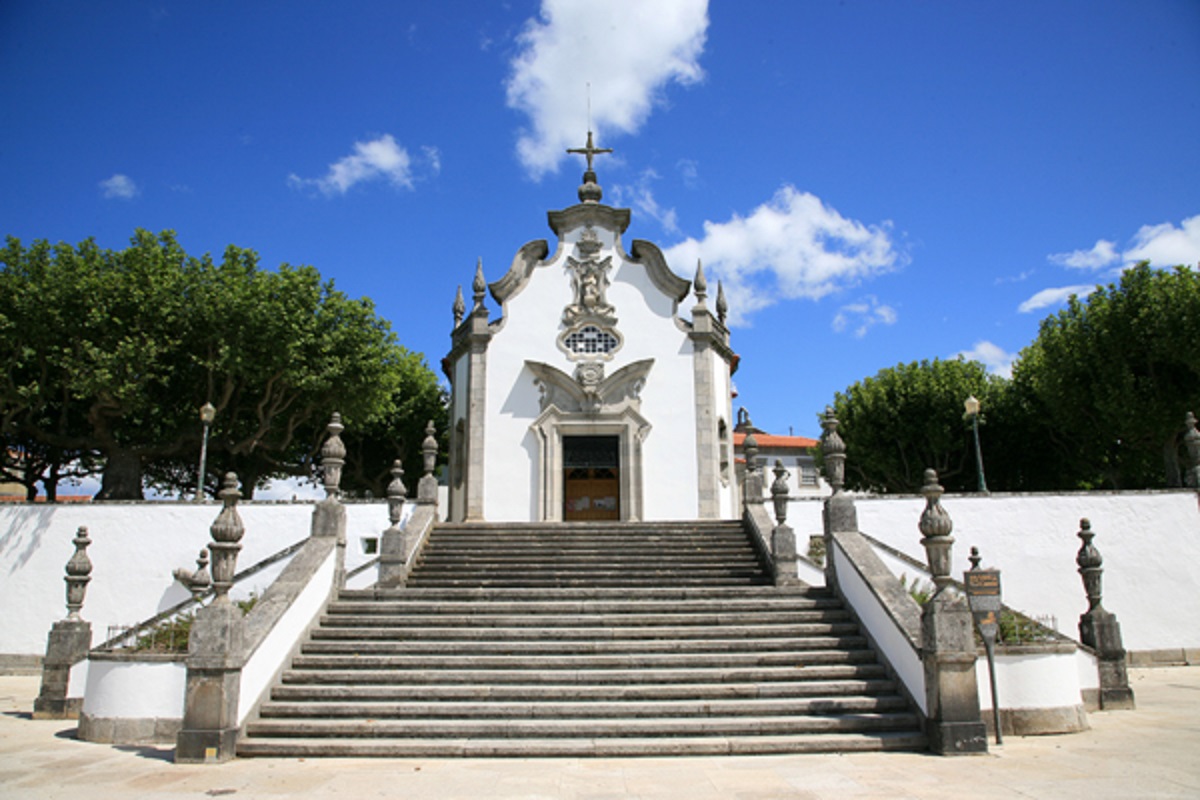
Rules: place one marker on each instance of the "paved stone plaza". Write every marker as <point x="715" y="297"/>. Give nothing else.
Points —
<point x="1153" y="752"/>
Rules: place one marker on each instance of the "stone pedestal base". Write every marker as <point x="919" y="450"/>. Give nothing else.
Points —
<point x="957" y="738"/>
<point x="205" y="747"/>
<point x="66" y="645"/>
<point x="954" y="725"/>
<point x="1100" y="630"/>
<point x="783" y="555"/>
<point x="209" y="732"/>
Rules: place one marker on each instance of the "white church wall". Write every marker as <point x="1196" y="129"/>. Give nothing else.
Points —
<point x="1150" y="542"/>
<point x="530" y="332"/>
<point x="723" y="389"/>
<point x="135" y="547"/>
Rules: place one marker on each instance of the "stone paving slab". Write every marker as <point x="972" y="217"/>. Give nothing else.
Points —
<point x="1153" y="752"/>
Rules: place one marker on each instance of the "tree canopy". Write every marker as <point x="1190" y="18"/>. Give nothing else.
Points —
<point x="1105" y="386"/>
<point x="1096" y="401"/>
<point x="909" y="417"/>
<point x="114" y="352"/>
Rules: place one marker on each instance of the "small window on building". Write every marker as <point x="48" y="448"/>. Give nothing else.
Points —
<point x="590" y="340"/>
<point x="808" y="474"/>
<point x="370" y="545"/>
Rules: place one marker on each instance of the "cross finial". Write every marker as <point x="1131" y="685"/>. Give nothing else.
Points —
<point x="589" y="151"/>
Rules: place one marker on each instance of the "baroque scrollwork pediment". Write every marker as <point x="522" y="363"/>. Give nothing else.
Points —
<point x="588" y="391"/>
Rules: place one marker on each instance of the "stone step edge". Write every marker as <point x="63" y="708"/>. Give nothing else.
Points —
<point x="584" y="747"/>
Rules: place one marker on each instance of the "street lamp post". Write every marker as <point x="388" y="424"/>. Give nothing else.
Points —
<point x="971" y="404"/>
<point x="207" y="414"/>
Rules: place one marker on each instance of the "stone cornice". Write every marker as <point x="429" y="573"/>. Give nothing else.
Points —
<point x="577" y="216"/>
<point x="472" y="335"/>
<point x="708" y="329"/>
<point x="531" y="255"/>
<point x="649" y="256"/>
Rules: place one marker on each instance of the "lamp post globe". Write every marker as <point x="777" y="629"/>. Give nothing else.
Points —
<point x="971" y="407"/>
<point x="207" y="414"/>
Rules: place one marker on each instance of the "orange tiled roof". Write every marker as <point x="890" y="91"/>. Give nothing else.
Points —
<point x="771" y="440"/>
<point x="62" y="498"/>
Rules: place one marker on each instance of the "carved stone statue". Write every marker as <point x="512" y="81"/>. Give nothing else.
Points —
<point x="590" y="281"/>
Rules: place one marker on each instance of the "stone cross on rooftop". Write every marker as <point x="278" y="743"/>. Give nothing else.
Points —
<point x="589" y="151"/>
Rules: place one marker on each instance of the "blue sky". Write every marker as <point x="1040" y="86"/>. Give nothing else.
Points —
<point x="874" y="182"/>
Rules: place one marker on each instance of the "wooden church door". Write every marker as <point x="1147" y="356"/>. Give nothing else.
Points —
<point x="591" y="478"/>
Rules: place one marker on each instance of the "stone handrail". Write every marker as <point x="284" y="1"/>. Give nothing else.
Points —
<point x="277" y="624"/>
<point x="888" y="613"/>
<point x="399" y="548"/>
<point x="184" y="605"/>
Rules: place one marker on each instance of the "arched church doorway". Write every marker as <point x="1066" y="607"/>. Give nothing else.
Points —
<point x="591" y="478"/>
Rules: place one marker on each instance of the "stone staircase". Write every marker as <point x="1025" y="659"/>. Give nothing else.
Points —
<point x="584" y="640"/>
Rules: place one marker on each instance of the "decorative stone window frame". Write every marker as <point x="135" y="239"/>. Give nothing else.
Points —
<point x="630" y="428"/>
<point x="598" y="356"/>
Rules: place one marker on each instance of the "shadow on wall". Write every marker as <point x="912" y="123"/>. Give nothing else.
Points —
<point x="23" y="535"/>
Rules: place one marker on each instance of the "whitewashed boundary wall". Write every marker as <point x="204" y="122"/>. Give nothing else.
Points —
<point x="135" y="548"/>
<point x="1150" y="542"/>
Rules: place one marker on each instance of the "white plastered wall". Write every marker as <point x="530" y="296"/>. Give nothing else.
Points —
<point x="135" y="547"/>
<point x="530" y="332"/>
<point x="1150" y="542"/>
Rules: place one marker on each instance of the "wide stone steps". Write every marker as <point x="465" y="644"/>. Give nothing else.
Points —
<point x="391" y="692"/>
<point x="583" y="640"/>
<point x="567" y="746"/>
<point x="579" y="555"/>
<point x="349" y="674"/>
<point x="391" y="646"/>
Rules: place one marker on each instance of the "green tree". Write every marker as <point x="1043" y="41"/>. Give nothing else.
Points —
<point x="398" y="433"/>
<point x="115" y="351"/>
<point x="1104" y="388"/>
<point x="910" y="417"/>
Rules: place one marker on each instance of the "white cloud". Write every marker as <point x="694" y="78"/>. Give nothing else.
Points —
<point x="793" y="246"/>
<point x="864" y="315"/>
<point x="997" y="360"/>
<point x="1054" y="296"/>
<point x="1024" y="276"/>
<point x="689" y="171"/>
<point x="641" y="197"/>
<point x="627" y="50"/>
<point x="380" y="158"/>
<point x="1165" y="245"/>
<point x="119" y="186"/>
<point x="1103" y="254"/>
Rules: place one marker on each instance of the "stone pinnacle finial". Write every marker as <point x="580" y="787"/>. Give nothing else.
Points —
<point x="833" y="450"/>
<point x="479" y="287"/>
<point x="750" y="448"/>
<point x="460" y="307"/>
<point x="396" y="493"/>
<point x="79" y="571"/>
<point x="700" y="284"/>
<point x="1192" y="440"/>
<point x="1090" y="564"/>
<point x="779" y="492"/>
<point x="429" y="449"/>
<point x="226" y="531"/>
<point x="333" y="456"/>
<point x="590" y="191"/>
<point x="201" y="579"/>
<point x="722" y="304"/>
<point x="936" y="525"/>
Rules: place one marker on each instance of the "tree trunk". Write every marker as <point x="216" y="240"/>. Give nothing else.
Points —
<point x="122" y="476"/>
<point x="1170" y="453"/>
<point x="50" y="481"/>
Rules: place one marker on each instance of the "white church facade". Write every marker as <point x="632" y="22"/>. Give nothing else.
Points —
<point x="589" y="396"/>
